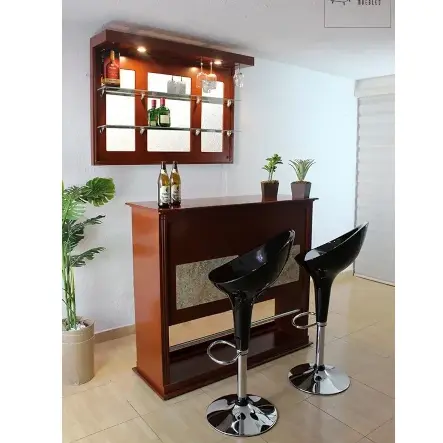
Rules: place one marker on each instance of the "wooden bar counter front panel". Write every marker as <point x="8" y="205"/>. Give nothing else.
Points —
<point x="175" y="249"/>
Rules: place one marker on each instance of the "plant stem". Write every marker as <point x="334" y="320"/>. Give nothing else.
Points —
<point x="69" y="291"/>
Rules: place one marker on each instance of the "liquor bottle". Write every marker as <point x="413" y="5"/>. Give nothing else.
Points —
<point x="164" y="115"/>
<point x="112" y="69"/>
<point x="175" y="181"/>
<point x="164" y="189"/>
<point x="152" y="114"/>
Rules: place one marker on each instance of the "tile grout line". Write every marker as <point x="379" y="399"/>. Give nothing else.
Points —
<point x="327" y="413"/>
<point x="366" y="436"/>
<point x="86" y="390"/>
<point x="101" y="430"/>
<point x="144" y="421"/>
<point x="381" y="392"/>
<point x="359" y="330"/>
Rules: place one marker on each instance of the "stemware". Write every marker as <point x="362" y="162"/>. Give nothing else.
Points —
<point x="206" y="86"/>
<point x="171" y="86"/>
<point x="181" y="87"/>
<point x="238" y="77"/>
<point x="212" y="80"/>
<point x="201" y="76"/>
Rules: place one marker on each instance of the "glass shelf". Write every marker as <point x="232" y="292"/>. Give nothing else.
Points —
<point x="142" y="129"/>
<point x="112" y="90"/>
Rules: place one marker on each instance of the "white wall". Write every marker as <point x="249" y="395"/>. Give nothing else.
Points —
<point x="299" y="113"/>
<point x="284" y="109"/>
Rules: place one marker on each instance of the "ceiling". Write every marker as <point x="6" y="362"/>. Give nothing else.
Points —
<point x="289" y="31"/>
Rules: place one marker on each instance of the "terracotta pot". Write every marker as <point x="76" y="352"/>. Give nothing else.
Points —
<point x="78" y="354"/>
<point x="269" y="190"/>
<point x="300" y="189"/>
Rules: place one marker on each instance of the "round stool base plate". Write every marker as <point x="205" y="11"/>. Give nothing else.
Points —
<point x="329" y="381"/>
<point x="229" y="418"/>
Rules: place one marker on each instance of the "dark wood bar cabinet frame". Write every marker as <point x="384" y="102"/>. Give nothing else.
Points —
<point x="205" y="229"/>
<point x="163" y="57"/>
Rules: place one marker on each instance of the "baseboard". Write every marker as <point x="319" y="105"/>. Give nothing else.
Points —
<point x="348" y="272"/>
<point x="112" y="334"/>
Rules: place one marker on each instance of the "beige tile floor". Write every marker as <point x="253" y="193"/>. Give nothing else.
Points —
<point x="117" y="407"/>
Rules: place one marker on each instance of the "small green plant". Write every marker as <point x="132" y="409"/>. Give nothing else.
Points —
<point x="301" y="168"/>
<point x="97" y="192"/>
<point x="271" y="166"/>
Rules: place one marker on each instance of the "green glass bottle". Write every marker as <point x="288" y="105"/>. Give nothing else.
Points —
<point x="164" y="115"/>
<point x="153" y="114"/>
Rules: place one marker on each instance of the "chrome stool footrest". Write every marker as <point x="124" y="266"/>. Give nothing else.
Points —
<point x="222" y="362"/>
<point x="303" y="314"/>
<point x="228" y="416"/>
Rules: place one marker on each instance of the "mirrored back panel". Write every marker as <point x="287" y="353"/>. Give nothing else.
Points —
<point x="164" y="140"/>
<point x="120" y="110"/>
<point x="212" y="118"/>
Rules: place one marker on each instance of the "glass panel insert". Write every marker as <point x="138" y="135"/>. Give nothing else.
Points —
<point x="212" y="118"/>
<point x="165" y="140"/>
<point x="120" y="110"/>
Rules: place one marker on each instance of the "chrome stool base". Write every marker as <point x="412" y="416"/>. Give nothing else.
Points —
<point x="329" y="381"/>
<point x="229" y="418"/>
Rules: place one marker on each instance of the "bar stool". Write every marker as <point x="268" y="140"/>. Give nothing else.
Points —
<point x="323" y="264"/>
<point x="243" y="280"/>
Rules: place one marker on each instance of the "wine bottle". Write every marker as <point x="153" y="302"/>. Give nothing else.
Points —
<point x="164" y="115"/>
<point x="112" y="69"/>
<point x="164" y="189"/>
<point x="175" y="181"/>
<point x="152" y="114"/>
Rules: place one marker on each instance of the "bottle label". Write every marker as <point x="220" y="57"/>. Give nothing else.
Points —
<point x="112" y="72"/>
<point x="175" y="193"/>
<point x="164" y="119"/>
<point x="152" y="122"/>
<point x="164" y="194"/>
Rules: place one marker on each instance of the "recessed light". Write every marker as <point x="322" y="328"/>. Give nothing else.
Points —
<point x="217" y="62"/>
<point x="141" y="49"/>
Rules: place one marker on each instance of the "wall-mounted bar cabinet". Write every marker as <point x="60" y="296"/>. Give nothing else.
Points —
<point x="132" y="74"/>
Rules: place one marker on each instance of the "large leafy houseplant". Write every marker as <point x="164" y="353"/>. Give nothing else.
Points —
<point x="269" y="187"/>
<point x="96" y="192"/>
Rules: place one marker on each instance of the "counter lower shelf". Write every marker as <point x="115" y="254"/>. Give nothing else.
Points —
<point x="191" y="369"/>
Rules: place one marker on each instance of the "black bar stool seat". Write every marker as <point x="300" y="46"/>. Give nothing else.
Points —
<point x="243" y="280"/>
<point x="323" y="264"/>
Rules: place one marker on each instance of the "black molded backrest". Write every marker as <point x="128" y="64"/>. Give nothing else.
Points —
<point x="257" y="269"/>
<point x="336" y="255"/>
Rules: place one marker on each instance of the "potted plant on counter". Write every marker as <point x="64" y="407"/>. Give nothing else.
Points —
<point x="269" y="187"/>
<point x="78" y="332"/>
<point x="301" y="188"/>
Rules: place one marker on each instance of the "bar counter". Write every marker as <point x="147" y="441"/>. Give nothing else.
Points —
<point x="173" y="252"/>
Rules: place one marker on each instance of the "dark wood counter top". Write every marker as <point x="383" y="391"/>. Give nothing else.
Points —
<point x="218" y="201"/>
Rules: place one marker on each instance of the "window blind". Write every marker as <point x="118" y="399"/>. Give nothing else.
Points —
<point x="375" y="196"/>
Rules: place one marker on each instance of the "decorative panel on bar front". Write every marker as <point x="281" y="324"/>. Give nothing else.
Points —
<point x="194" y="288"/>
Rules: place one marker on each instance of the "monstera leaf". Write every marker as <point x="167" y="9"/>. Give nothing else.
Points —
<point x="98" y="191"/>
